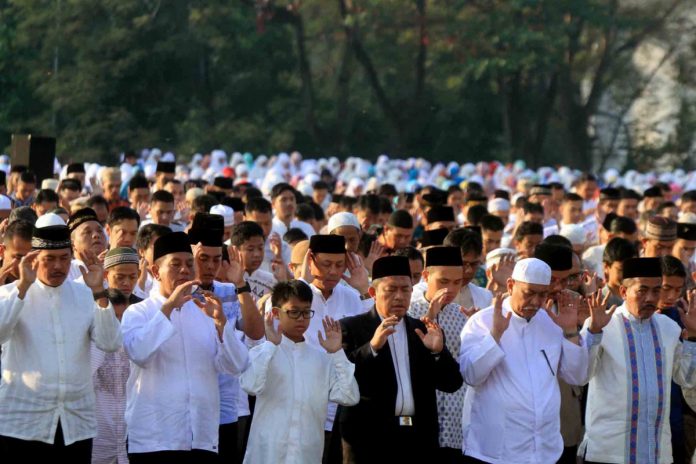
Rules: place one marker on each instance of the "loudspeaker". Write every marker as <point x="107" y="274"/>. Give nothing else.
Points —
<point x="38" y="153"/>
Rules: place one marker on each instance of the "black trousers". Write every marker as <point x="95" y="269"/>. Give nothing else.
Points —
<point x="26" y="451"/>
<point x="450" y="456"/>
<point x="227" y="444"/>
<point x="174" y="457"/>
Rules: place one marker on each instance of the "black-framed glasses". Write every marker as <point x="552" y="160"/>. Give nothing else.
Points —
<point x="296" y="313"/>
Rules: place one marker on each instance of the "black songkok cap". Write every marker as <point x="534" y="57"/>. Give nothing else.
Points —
<point x="208" y="229"/>
<point x="642" y="267"/>
<point x="137" y="182"/>
<point x="440" y="213"/>
<point x="607" y="221"/>
<point x="335" y="244"/>
<point x="76" y="167"/>
<point x="611" y="193"/>
<point x="443" y="256"/>
<point x="401" y="218"/>
<point x="233" y="202"/>
<point x="166" y="166"/>
<point x="434" y="198"/>
<point x="80" y="217"/>
<point x="653" y="192"/>
<point x="558" y="257"/>
<point x="686" y="231"/>
<point x="433" y="237"/>
<point x="70" y="184"/>
<point x="223" y="182"/>
<point x="50" y="238"/>
<point x="389" y="266"/>
<point x="174" y="242"/>
<point x="18" y="168"/>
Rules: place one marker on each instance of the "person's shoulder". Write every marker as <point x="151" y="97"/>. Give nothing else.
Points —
<point x="358" y="319"/>
<point x="262" y="275"/>
<point x="79" y="287"/>
<point x="667" y="324"/>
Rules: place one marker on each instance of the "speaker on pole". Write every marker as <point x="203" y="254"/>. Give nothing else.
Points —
<point x="35" y="152"/>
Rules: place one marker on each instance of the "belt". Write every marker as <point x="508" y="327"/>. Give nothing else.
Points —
<point x="405" y="421"/>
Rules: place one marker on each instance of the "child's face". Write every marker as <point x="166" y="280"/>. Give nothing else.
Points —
<point x="671" y="291"/>
<point x="293" y="328"/>
<point x="252" y="253"/>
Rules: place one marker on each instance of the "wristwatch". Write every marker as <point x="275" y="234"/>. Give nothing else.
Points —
<point x="245" y="288"/>
<point x="570" y="334"/>
<point x="100" y="295"/>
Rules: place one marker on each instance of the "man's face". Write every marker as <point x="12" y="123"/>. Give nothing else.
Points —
<point x="416" y="266"/>
<point x="77" y="175"/>
<point x="294" y="329"/>
<point x="670" y="212"/>
<point x="534" y="217"/>
<point x="470" y="264"/>
<point x="123" y="277"/>
<point x="613" y="273"/>
<point x="252" y="252"/>
<point x="319" y="195"/>
<point x="173" y="270"/>
<point x="526" y="299"/>
<point x="265" y="220"/>
<point x="161" y="178"/>
<point x="208" y="262"/>
<point x="285" y="204"/>
<point x="25" y="190"/>
<point x="455" y="199"/>
<point x="327" y="269"/>
<point x="351" y="235"/>
<point x="397" y="237"/>
<point x="177" y="190"/>
<point x="608" y="206"/>
<point x="525" y="247"/>
<point x="575" y="275"/>
<point x="123" y="233"/>
<point x="67" y="195"/>
<point x="443" y="277"/>
<point x="688" y="206"/>
<point x="651" y="203"/>
<point x="162" y="213"/>
<point x="684" y="250"/>
<point x="392" y="296"/>
<point x="89" y="236"/>
<point x="138" y="196"/>
<point x="112" y="189"/>
<point x="44" y="207"/>
<point x="672" y="287"/>
<point x="53" y="266"/>
<point x="366" y="218"/>
<point x="642" y="295"/>
<point x="491" y="240"/>
<point x="571" y="212"/>
<point x="15" y="249"/>
<point x="657" y="248"/>
<point x="628" y="207"/>
<point x="587" y="189"/>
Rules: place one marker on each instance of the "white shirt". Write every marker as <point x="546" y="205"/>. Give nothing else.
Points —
<point x="592" y="259"/>
<point x="512" y="407"/>
<point x="398" y="346"/>
<point x="173" y="400"/>
<point x="269" y="256"/>
<point x="46" y="373"/>
<point x="470" y="295"/>
<point x="280" y="228"/>
<point x="288" y="425"/>
<point x="74" y="273"/>
<point x="261" y="282"/>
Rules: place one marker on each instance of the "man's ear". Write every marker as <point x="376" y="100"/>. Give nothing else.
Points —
<point x="425" y="275"/>
<point x="108" y="230"/>
<point x="2" y="249"/>
<point x="372" y="292"/>
<point x="155" y="272"/>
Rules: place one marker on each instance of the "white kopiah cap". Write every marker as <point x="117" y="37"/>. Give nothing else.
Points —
<point x="494" y="256"/>
<point x="342" y="219"/>
<point x="498" y="204"/>
<point x="573" y="232"/>
<point x="49" y="219"/>
<point x="226" y="212"/>
<point x="532" y="271"/>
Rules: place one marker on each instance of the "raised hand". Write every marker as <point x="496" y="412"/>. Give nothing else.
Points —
<point x="273" y="335"/>
<point x="179" y="297"/>
<point x="590" y="282"/>
<point x="468" y="312"/>
<point x="334" y="337"/>
<point x="599" y="316"/>
<point x="502" y="270"/>
<point x="8" y="268"/>
<point x="433" y="338"/>
<point x="27" y="271"/>
<point x="688" y="316"/>
<point x="275" y="243"/>
<point x="212" y="307"/>
<point x="384" y="330"/>
<point x="500" y="322"/>
<point x="568" y="303"/>
<point x="142" y="278"/>
<point x="143" y="208"/>
<point x="93" y="273"/>
<point x="235" y="270"/>
<point x="441" y="299"/>
<point x="376" y="250"/>
<point x="358" y="278"/>
<point x="279" y="270"/>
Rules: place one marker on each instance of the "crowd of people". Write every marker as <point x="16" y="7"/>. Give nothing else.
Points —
<point x="289" y="310"/>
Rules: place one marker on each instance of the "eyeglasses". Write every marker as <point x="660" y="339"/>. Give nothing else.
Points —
<point x="574" y="277"/>
<point x="296" y="313"/>
<point x="471" y="264"/>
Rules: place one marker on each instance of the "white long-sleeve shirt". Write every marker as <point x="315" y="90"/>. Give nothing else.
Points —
<point x="173" y="398"/>
<point x="46" y="374"/>
<point x="293" y="383"/>
<point x="512" y="407"/>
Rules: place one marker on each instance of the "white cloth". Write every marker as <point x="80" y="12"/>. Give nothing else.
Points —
<point x="398" y="346"/>
<point x="46" y="357"/>
<point x="260" y="281"/>
<point x="268" y="256"/>
<point x="592" y="259"/>
<point x="512" y="407"/>
<point x="288" y="425"/>
<point x="74" y="272"/>
<point x="532" y="271"/>
<point x="173" y="400"/>
<point x="609" y="405"/>
<point x="280" y="228"/>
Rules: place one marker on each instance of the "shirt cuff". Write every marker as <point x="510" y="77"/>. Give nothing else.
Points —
<point x="590" y="339"/>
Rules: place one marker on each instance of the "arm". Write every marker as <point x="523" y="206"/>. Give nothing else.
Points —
<point x="479" y="352"/>
<point x="252" y="320"/>
<point x="593" y="344"/>
<point x="253" y="380"/>
<point x="143" y="336"/>
<point x="447" y="376"/>
<point x="574" y="363"/>
<point x="344" y="388"/>
<point x="11" y="306"/>
<point x="232" y="356"/>
<point x="684" y="369"/>
<point x="105" y="330"/>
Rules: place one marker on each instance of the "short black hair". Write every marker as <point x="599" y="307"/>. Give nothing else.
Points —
<point x="672" y="267"/>
<point x="348" y="203"/>
<point x="28" y="177"/>
<point x="294" y="234"/>
<point x="388" y="190"/>
<point x="97" y="200"/>
<point x="411" y="253"/>
<point x="475" y="213"/>
<point x="148" y="233"/>
<point x="203" y="203"/>
<point x="279" y="188"/>
<point x="528" y="228"/>
<point x="162" y="196"/>
<point x="664" y="205"/>
<point x="304" y="212"/>
<point x="319" y="213"/>
<point x="570" y="196"/>
<point x="369" y="203"/>
<point x="556" y="239"/>
<point x="244" y="231"/>
<point x="252" y="192"/>
<point x="23" y="213"/>
<point x="320" y="185"/>
<point x="385" y="206"/>
<point x="618" y="249"/>
<point x="283" y="291"/>
<point x="18" y="228"/>
<point x="587" y="177"/>
<point x="623" y="225"/>
<point x="688" y="196"/>
<point x="260" y="205"/>
<point x="491" y="222"/>
<point x="502" y="194"/>
<point x="46" y="196"/>
<point x="629" y="194"/>
<point x="122" y="213"/>
<point x="530" y="207"/>
<point x="466" y="240"/>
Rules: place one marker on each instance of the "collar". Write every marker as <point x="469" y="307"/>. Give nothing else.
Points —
<point x="515" y="316"/>
<point x="623" y="310"/>
<point x="48" y="288"/>
<point x="286" y="342"/>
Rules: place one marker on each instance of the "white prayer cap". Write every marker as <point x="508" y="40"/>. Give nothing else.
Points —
<point x="226" y="212"/>
<point x="5" y="202"/>
<point x="49" y="184"/>
<point x="49" y="219"/>
<point x="573" y="232"/>
<point x="686" y="217"/>
<point x="494" y="256"/>
<point x="168" y="157"/>
<point x="342" y="219"/>
<point x="532" y="271"/>
<point x="498" y="204"/>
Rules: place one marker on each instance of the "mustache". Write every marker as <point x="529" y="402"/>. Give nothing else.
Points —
<point x="649" y="307"/>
